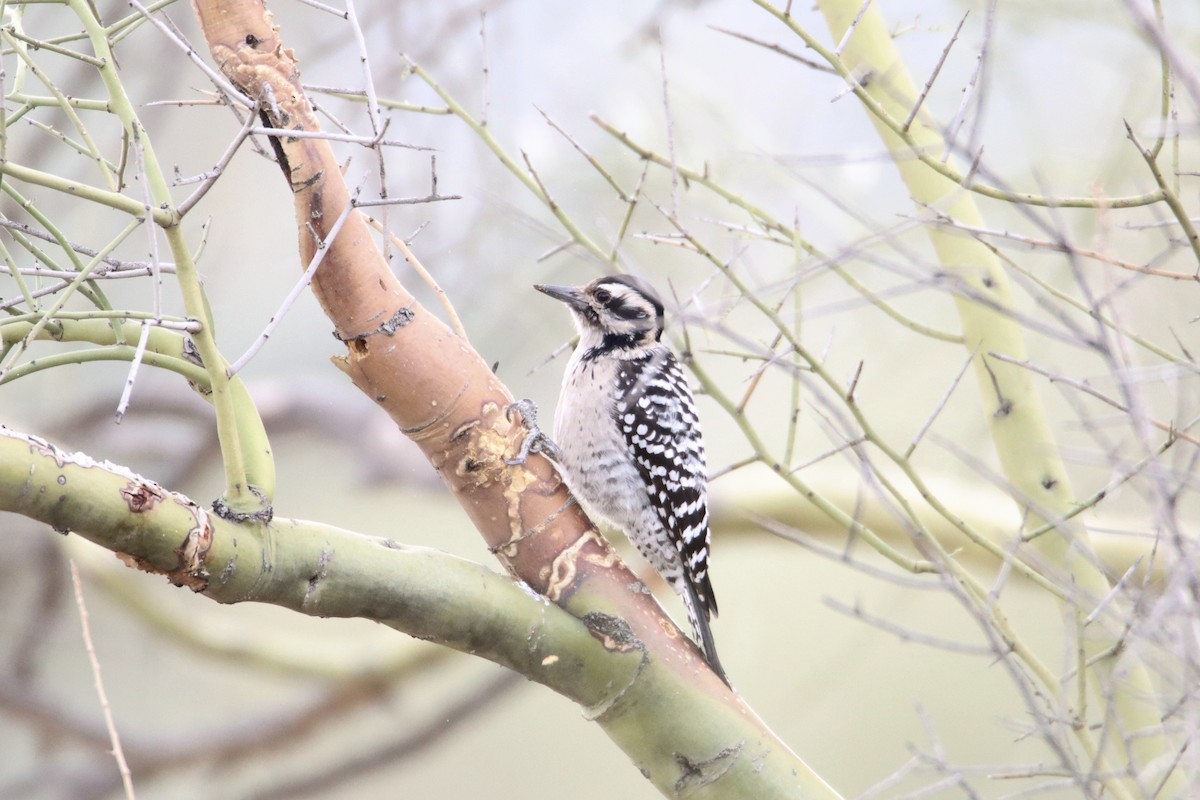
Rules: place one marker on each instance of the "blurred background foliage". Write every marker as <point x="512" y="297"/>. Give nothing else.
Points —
<point x="841" y="654"/>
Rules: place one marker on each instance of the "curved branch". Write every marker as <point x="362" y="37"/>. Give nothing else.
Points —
<point x="308" y="567"/>
<point x="166" y="349"/>
<point x="683" y="727"/>
<point x="680" y="738"/>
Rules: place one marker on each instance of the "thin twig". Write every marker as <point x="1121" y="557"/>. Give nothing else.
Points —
<point x="139" y="160"/>
<point x="209" y="179"/>
<point x="113" y="736"/>
<point x="1117" y="589"/>
<point x="327" y="9"/>
<point x="906" y="635"/>
<point x="485" y="83"/>
<point x="908" y="121"/>
<point x="38" y="44"/>
<point x="407" y="201"/>
<point x="1060" y="246"/>
<point x="854" y="383"/>
<point x="365" y="62"/>
<point x="1172" y="199"/>
<point x="1178" y="432"/>
<point x="419" y="268"/>
<point x="555" y="353"/>
<point x="360" y="95"/>
<point x="364" y="141"/>
<point x="941" y="404"/>
<point x="378" y="127"/>
<point x="138" y="354"/>
<point x="591" y="159"/>
<point x="230" y="92"/>
<point x="99" y="272"/>
<point x="837" y="51"/>
<point x="1167" y="46"/>
<point x="294" y="294"/>
<point x="666" y="101"/>
<point x="968" y="95"/>
<point x="553" y="251"/>
<point x="776" y="48"/>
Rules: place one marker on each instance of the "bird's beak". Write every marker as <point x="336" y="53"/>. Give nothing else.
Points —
<point x="570" y="295"/>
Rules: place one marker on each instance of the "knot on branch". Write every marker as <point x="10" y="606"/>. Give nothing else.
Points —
<point x="388" y="327"/>
<point x="192" y="570"/>
<point x="612" y="632"/>
<point x="695" y="774"/>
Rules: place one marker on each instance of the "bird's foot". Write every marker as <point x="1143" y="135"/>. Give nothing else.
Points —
<point x="535" y="440"/>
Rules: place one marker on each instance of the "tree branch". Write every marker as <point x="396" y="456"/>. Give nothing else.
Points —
<point x="308" y="567"/>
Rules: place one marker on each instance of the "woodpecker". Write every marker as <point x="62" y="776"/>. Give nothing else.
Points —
<point x="628" y="438"/>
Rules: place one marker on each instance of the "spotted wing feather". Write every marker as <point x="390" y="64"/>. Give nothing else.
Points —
<point x="657" y="416"/>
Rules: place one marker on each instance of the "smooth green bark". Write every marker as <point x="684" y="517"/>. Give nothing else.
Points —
<point x="687" y="742"/>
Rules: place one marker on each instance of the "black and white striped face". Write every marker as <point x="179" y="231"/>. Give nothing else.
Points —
<point x="614" y="312"/>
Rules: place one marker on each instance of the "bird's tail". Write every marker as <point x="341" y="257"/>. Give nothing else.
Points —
<point x="698" y="615"/>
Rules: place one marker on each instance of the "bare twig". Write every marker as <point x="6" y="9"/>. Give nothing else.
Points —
<point x="138" y="353"/>
<point x="113" y="736"/>
<point x="424" y="274"/>
<point x="776" y="48"/>
<point x="837" y="51"/>
<point x="937" y="409"/>
<point x="294" y="294"/>
<point x="904" y="634"/>
<point x="670" y="120"/>
<point x="933" y="76"/>
<point x="1169" y="195"/>
<point x="209" y="179"/>
<point x="1179" y="432"/>
<point x="228" y="91"/>
<point x="978" y="76"/>
<point x="485" y="82"/>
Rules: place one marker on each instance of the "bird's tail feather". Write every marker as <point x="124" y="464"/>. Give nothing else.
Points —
<point x="699" y="619"/>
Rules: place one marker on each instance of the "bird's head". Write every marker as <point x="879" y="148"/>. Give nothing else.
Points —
<point x="613" y="312"/>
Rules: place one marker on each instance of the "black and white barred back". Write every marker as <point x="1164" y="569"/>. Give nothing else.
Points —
<point x="657" y="415"/>
<point x="629" y="438"/>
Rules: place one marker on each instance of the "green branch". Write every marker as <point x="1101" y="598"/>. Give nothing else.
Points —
<point x="308" y="567"/>
<point x="249" y="469"/>
<point x="92" y="194"/>
<point x="165" y="349"/>
<point x="683" y="739"/>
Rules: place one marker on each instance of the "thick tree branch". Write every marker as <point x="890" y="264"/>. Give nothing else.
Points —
<point x="444" y="396"/>
<point x="683" y="739"/>
<point x="305" y="566"/>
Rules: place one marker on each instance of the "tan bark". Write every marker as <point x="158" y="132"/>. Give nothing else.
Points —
<point x="429" y="380"/>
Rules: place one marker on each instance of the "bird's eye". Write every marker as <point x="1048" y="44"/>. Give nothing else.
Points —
<point x="603" y="295"/>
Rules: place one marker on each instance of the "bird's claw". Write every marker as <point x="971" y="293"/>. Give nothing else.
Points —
<point x="535" y="441"/>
